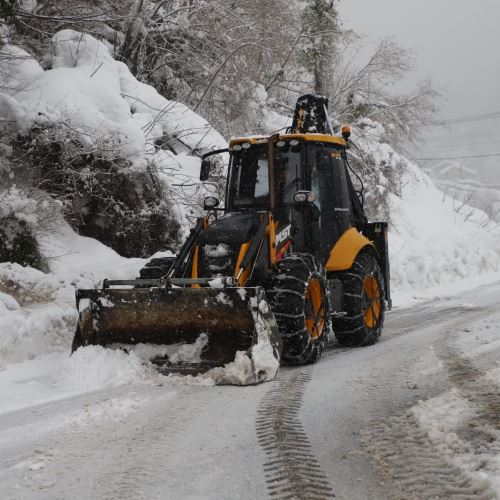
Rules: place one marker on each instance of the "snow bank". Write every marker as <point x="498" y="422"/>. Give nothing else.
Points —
<point x="57" y="376"/>
<point x="95" y="367"/>
<point x="446" y="420"/>
<point x="37" y="310"/>
<point x="35" y="314"/>
<point x="437" y="245"/>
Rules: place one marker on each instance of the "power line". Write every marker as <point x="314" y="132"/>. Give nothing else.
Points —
<point x="462" y="145"/>
<point x="486" y="133"/>
<point x="457" y="157"/>
<point x="471" y="118"/>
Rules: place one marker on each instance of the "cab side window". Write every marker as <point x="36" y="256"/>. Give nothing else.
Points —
<point x="329" y="184"/>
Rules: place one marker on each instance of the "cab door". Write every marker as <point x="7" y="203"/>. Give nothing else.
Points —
<point x="330" y="215"/>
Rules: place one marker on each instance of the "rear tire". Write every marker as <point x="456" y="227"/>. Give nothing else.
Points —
<point x="157" y="268"/>
<point x="299" y="298"/>
<point x="364" y="303"/>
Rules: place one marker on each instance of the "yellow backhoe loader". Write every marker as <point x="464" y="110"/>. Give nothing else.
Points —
<point x="288" y="258"/>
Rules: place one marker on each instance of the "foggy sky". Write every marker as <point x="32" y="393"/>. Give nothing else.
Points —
<point x="457" y="44"/>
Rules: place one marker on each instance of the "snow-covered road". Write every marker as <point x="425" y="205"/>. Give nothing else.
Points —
<point x="416" y="416"/>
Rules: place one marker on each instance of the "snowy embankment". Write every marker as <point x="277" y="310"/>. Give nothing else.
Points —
<point x="437" y="246"/>
<point x="435" y="249"/>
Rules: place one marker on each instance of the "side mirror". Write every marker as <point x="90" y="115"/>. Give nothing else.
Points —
<point x="206" y="166"/>
<point x="208" y="162"/>
<point x="302" y="197"/>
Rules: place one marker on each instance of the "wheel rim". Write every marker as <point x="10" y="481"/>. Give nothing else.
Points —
<point x="371" y="301"/>
<point x="315" y="308"/>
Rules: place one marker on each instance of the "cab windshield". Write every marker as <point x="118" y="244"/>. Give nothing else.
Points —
<point x="249" y="179"/>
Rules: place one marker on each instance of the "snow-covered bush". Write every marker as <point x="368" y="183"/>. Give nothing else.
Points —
<point x="17" y="243"/>
<point x="102" y="197"/>
<point x="379" y="166"/>
<point x="24" y="215"/>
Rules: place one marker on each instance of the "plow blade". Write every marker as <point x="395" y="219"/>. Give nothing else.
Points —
<point x="184" y="330"/>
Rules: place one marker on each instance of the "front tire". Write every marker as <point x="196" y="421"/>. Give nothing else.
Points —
<point x="364" y="303"/>
<point x="300" y="301"/>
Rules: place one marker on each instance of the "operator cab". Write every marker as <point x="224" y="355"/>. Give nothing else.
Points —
<point x="301" y="162"/>
<point x="248" y="183"/>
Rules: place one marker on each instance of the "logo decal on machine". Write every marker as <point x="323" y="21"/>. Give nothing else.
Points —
<point x="284" y="234"/>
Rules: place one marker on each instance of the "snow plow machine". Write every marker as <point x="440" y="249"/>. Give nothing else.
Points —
<point x="290" y="258"/>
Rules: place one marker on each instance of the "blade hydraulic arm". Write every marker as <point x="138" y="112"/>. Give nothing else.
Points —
<point x="187" y="249"/>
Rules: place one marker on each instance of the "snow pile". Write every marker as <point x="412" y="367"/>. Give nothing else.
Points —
<point x="57" y="376"/>
<point x="176" y="353"/>
<point x="85" y="262"/>
<point x="448" y="420"/>
<point x="37" y="310"/>
<point x="35" y="313"/>
<point x="261" y="363"/>
<point x="95" y="367"/>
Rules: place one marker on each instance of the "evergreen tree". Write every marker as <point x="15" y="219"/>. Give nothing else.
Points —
<point x="322" y="32"/>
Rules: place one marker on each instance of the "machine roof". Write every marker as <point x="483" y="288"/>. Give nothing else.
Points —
<point x="262" y="139"/>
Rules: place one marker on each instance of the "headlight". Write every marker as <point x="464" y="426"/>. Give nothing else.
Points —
<point x="210" y="202"/>
<point x="304" y="196"/>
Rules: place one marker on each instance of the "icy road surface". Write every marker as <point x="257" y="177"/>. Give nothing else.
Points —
<point x="416" y="416"/>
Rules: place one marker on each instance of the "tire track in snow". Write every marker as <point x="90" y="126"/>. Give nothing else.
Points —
<point x="291" y="469"/>
<point x="420" y="467"/>
<point x="408" y="459"/>
<point x="144" y="461"/>
<point x="482" y="395"/>
<point x="399" y="323"/>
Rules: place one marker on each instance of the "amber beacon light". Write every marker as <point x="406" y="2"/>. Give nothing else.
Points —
<point x="346" y="132"/>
